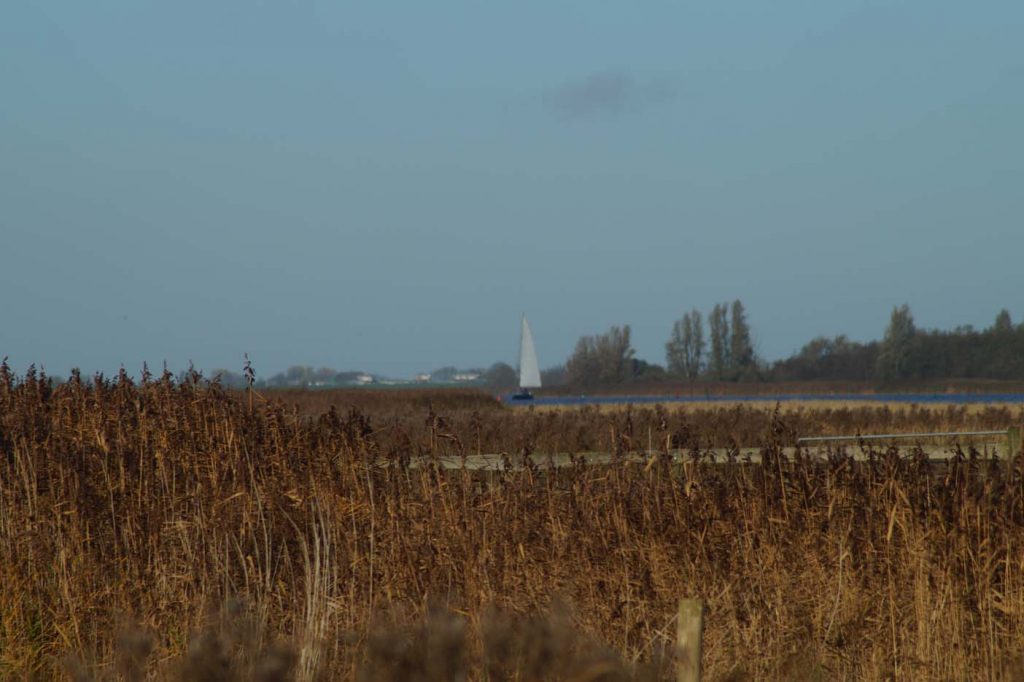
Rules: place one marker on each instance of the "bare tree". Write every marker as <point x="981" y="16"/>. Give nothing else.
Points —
<point x="684" y="352"/>
<point x="720" y="361"/>
<point x="601" y="359"/>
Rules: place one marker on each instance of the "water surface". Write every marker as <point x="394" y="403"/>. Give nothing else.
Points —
<point x="952" y="398"/>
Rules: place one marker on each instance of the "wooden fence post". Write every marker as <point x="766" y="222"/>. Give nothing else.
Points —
<point x="689" y="633"/>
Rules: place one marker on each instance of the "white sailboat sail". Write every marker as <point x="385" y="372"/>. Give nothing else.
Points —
<point x="529" y="372"/>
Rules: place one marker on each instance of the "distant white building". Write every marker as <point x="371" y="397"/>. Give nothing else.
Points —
<point x="467" y="376"/>
<point x="364" y="379"/>
<point x="423" y="377"/>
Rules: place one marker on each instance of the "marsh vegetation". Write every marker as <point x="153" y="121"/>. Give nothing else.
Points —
<point x="157" y="507"/>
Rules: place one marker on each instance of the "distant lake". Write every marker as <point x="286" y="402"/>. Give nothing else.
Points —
<point x="952" y="398"/>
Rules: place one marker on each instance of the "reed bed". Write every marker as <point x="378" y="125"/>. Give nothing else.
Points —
<point x="384" y="402"/>
<point x="467" y="421"/>
<point x="146" y="507"/>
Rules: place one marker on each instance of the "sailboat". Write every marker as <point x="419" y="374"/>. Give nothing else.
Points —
<point x="529" y="371"/>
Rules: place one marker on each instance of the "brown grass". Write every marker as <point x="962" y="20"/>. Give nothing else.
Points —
<point x="820" y="387"/>
<point x="159" y="502"/>
<point x="384" y="402"/>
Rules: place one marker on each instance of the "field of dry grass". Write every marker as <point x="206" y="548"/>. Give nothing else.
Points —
<point x="937" y="409"/>
<point x="821" y="387"/>
<point x="172" y="529"/>
<point x="382" y="402"/>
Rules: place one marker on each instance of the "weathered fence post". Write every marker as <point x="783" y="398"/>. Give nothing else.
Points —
<point x="689" y="633"/>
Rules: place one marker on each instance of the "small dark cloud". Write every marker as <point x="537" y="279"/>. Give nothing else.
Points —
<point x="604" y="92"/>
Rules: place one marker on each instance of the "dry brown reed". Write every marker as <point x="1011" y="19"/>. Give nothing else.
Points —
<point x="160" y="501"/>
<point x="384" y="402"/>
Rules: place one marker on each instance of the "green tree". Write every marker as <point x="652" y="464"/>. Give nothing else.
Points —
<point x="1003" y="323"/>
<point x="741" y="349"/>
<point x="895" y="353"/>
<point x="824" y="358"/>
<point x="719" y="362"/>
<point x="684" y="352"/>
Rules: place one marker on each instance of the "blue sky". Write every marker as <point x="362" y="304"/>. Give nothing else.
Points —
<point x="387" y="186"/>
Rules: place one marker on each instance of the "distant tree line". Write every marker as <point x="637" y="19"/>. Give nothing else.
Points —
<point x="907" y="353"/>
<point x="731" y="354"/>
<point x="725" y="352"/>
<point x="296" y="376"/>
<point x="500" y="375"/>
